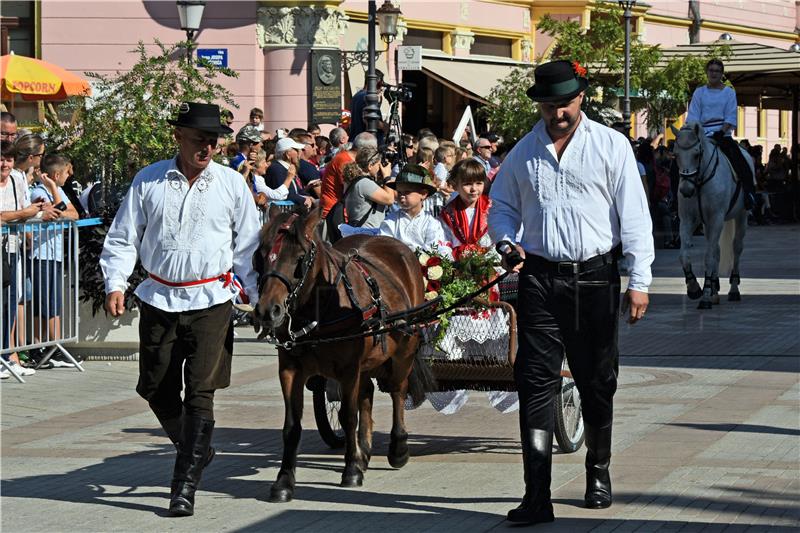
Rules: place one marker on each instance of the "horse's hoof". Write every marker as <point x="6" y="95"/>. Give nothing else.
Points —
<point x="734" y="297"/>
<point x="704" y="305"/>
<point x="352" y="480"/>
<point x="280" y="495"/>
<point x="399" y="460"/>
<point x="694" y="295"/>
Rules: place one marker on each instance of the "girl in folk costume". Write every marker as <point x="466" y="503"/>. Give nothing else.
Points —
<point x="465" y="218"/>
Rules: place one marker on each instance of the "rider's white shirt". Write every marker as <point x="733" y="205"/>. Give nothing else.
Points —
<point x="183" y="234"/>
<point x="578" y="207"/>
<point x="712" y="108"/>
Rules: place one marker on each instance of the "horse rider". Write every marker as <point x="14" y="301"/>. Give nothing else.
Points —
<point x="573" y="187"/>
<point x="190" y="221"/>
<point x="714" y="106"/>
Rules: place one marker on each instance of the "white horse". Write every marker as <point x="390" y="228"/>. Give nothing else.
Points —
<point x="709" y="195"/>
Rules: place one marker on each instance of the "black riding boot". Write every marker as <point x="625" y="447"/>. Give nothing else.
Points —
<point x="537" y="453"/>
<point x="189" y="465"/>
<point x="172" y="427"/>
<point x="598" y="459"/>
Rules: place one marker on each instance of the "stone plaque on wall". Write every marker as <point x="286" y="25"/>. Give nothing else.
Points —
<point x="325" y="70"/>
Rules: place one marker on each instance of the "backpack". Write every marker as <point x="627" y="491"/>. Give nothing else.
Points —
<point x="662" y="185"/>
<point x="338" y="215"/>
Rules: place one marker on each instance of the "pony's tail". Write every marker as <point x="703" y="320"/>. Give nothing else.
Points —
<point x="420" y="380"/>
<point x="726" y="248"/>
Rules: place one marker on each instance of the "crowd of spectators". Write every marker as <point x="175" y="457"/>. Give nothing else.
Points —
<point x="31" y="189"/>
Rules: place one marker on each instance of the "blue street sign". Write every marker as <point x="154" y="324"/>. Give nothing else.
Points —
<point x="215" y="56"/>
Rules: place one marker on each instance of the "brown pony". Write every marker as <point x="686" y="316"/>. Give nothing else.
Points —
<point x="303" y="280"/>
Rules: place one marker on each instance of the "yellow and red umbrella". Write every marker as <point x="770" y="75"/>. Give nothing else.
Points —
<point x="34" y="80"/>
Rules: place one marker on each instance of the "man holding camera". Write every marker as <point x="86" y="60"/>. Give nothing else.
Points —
<point x="572" y="184"/>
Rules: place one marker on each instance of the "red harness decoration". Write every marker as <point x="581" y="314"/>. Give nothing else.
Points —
<point x="276" y="246"/>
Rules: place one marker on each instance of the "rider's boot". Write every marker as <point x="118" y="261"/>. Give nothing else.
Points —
<point x="598" y="459"/>
<point x="195" y="443"/>
<point x="537" y="452"/>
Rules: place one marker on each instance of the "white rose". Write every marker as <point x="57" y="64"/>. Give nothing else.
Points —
<point x="424" y="258"/>
<point x="431" y="295"/>
<point x="435" y="272"/>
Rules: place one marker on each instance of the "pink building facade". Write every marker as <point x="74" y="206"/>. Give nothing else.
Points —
<point x="467" y="45"/>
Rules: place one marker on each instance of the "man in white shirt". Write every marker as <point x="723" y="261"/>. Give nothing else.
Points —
<point x="192" y="223"/>
<point x="574" y="187"/>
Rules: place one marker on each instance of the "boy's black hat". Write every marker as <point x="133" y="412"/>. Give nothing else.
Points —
<point x="416" y="175"/>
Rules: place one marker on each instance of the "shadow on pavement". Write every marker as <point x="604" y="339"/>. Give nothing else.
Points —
<point x="683" y="363"/>
<point x="743" y="428"/>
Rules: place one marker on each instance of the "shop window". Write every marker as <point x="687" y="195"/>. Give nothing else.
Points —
<point x="491" y="46"/>
<point x="18" y="28"/>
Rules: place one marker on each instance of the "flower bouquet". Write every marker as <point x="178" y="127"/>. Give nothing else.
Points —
<point x="472" y="267"/>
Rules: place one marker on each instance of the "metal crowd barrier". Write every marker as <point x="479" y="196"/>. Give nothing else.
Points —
<point x="40" y="305"/>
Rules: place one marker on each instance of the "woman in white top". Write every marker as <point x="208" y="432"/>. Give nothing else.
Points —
<point x="253" y="173"/>
<point x="714" y="106"/>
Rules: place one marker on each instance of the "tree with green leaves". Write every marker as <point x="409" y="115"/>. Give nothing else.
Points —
<point x="122" y="127"/>
<point x="663" y="87"/>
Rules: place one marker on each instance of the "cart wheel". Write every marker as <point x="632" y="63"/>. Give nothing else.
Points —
<point x="327" y="403"/>
<point x="569" y="419"/>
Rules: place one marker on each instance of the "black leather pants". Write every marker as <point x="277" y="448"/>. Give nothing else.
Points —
<point x="578" y="315"/>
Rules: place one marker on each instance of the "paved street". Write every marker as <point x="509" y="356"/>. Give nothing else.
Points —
<point x="706" y="436"/>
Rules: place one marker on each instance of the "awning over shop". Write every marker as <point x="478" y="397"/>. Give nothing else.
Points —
<point x="753" y="69"/>
<point x="473" y="78"/>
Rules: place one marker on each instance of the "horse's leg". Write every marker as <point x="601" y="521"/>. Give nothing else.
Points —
<point x="688" y="225"/>
<point x="365" y="421"/>
<point x="292" y="382"/>
<point x="354" y="466"/>
<point x="713" y="230"/>
<point x="738" y="246"/>
<point x="398" y="444"/>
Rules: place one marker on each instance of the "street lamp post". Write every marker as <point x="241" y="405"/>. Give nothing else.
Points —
<point x="387" y="16"/>
<point x="190" y="13"/>
<point x="626" y="5"/>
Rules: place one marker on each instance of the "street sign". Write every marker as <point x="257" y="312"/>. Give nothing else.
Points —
<point x="409" y="57"/>
<point x="216" y="56"/>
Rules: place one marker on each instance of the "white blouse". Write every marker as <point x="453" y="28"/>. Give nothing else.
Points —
<point x="578" y="207"/>
<point x="183" y="234"/>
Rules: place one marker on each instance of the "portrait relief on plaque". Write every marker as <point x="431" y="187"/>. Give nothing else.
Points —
<point x="325" y="69"/>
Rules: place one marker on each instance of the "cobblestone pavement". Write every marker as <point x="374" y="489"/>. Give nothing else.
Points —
<point x="706" y="436"/>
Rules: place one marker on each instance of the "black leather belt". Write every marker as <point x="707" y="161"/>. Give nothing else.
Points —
<point x="570" y="268"/>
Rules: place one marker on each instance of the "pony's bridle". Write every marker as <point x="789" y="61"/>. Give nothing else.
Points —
<point x="304" y="264"/>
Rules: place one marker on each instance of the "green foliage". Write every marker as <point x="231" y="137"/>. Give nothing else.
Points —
<point x="510" y="112"/>
<point x="665" y="86"/>
<point x="123" y="128"/>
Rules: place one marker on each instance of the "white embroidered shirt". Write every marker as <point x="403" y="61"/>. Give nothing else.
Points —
<point x="423" y="231"/>
<point x="578" y="207"/>
<point x="183" y="234"/>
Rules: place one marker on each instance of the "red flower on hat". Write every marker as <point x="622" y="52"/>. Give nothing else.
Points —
<point x="579" y="70"/>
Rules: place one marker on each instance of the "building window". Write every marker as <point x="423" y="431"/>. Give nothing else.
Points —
<point x="424" y="38"/>
<point x="18" y="28"/>
<point x="491" y="46"/>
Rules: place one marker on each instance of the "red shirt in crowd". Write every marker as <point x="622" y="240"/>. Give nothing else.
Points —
<point x="333" y="180"/>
